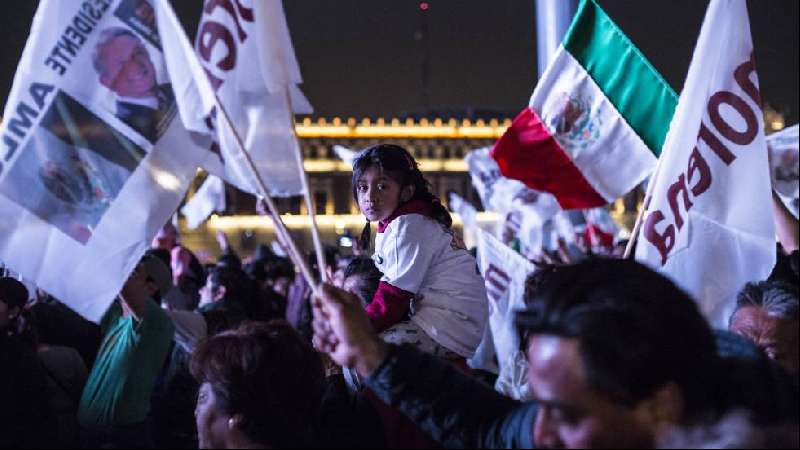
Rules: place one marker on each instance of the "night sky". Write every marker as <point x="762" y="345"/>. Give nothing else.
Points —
<point x="362" y="58"/>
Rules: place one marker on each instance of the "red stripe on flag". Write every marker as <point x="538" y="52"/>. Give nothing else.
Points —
<point x="528" y="152"/>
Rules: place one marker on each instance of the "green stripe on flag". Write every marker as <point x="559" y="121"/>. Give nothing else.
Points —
<point x="645" y="100"/>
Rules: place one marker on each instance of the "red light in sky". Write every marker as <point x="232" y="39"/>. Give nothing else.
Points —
<point x="424" y="6"/>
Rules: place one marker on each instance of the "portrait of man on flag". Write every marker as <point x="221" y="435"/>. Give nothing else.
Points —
<point x="125" y="67"/>
<point x="72" y="168"/>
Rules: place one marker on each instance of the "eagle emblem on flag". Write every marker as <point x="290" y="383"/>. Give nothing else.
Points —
<point x="574" y="125"/>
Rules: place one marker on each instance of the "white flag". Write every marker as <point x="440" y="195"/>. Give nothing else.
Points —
<point x="345" y="154"/>
<point x="524" y="211"/>
<point x="504" y="272"/>
<point x="784" y="158"/>
<point x="92" y="160"/>
<point x="600" y="232"/>
<point x="210" y="197"/>
<point x="465" y="209"/>
<point x="710" y="223"/>
<point x="245" y="57"/>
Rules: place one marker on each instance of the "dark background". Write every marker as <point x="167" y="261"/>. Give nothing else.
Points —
<point x="362" y="58"/>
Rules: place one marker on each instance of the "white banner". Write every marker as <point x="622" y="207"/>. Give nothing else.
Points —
<point x="345" y="154"/>
<point x="92" y="160"/>
<point x="245" y="56"/>
<point x="710" y="223"/>
<point x="784" y="159"/>
<point x="524" y="211"/>
<point x="504" y="272"/>
<point x="210" y="197"/>
<point x="465" y="209"/>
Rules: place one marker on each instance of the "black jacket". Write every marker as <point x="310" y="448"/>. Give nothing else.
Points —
<point x="461" y="412"/>
<point x="454" y="409"/>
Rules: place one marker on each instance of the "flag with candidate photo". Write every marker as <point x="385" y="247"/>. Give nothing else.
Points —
<point x="92" y="159"/>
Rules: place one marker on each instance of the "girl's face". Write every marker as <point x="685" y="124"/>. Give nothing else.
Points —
<point x="379" y="195"/>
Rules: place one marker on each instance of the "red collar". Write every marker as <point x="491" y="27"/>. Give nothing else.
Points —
<point x="412" y="207"/>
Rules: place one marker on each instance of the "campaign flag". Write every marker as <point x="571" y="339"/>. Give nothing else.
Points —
<point x="210" y="197"/>
<point x="505" y="273"/>
<point x="345" y="154"/>
<point x="523" y="211"/>
<point x="784" y="159"/>
<point x="600" y="231"/>
<point x="596" y="121"/>
<point x="710" y="225"/>
<point x="465" y="210"/>
<point x="92" y="161"/>
<point x="246" y="52"/>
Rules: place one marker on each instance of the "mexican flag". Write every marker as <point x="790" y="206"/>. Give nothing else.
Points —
<point x="597" y="119"/>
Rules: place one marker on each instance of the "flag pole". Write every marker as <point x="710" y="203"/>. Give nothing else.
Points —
<point x="312" y="213"/>
<point x="637" y="226"/>
<point x="280" y="227"/>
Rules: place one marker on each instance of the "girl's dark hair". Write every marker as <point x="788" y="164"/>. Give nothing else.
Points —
<point x="395" y="162"/>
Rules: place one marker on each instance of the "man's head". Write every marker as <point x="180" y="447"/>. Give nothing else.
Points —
<point x="362" y="277"/>
<point x="167" y="238"/>
<point x="158" y="277"/>
<point x="123" y="64"/>
<point x="617" y="354"/>
<point x="223" y="283"/>
<point x="768" y="313"/>
<point x="13" y="296"/>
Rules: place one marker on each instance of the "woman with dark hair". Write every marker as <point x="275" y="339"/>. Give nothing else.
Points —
<point x="261" y="387"/>
<point x="430" y="295"/>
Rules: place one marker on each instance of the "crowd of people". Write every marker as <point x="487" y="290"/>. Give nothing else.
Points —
<point x="245" y="353"/>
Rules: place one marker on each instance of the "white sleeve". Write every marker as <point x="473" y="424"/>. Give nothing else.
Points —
<point x="411" y="248"/>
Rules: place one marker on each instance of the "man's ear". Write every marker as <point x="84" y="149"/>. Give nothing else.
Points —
<point x="236" y="422"/>
<point x="220" y="293"/>
<point x="407" y="193"/>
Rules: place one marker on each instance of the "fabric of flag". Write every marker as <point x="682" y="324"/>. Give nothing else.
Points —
<point x="244" y="57"/>
<point x="601" y="231"/>
<point x="596" y="121"/>
<point x="209" y="198"/>
<point x="524" y="212"/>
<point x="709" y="224"/>
<point x="93" y="161"/>
<point x="784" y="158"/>
<point x="504" y="272"/>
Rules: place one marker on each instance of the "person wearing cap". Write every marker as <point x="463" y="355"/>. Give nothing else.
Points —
<point x="137" y="335"/>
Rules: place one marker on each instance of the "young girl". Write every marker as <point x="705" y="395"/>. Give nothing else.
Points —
<point x="431" y="294"/>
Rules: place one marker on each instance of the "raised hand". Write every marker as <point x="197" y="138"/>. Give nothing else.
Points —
<point x="343" y="331"/>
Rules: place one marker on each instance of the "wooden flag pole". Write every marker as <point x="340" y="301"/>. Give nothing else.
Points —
<point x="312" y="213"/>
<point x="280" y="227"/>
<point x="637" y="226"/>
